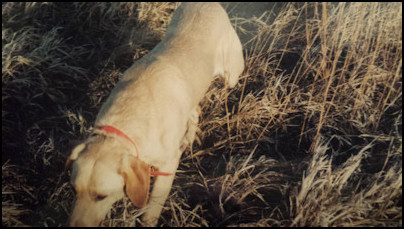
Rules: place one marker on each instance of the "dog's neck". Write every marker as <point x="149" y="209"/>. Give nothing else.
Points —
<point x="113" y="130"/>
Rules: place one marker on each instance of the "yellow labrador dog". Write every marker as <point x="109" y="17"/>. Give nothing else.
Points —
<point x="151" y="114"/>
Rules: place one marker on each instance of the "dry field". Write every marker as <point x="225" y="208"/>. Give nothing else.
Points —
<point x="311" y="135"/>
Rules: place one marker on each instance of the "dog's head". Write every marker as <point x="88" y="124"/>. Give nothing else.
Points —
<point x="103" y="169"/>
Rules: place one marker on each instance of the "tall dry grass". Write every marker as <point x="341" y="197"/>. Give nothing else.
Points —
<point x="311" y="135"/>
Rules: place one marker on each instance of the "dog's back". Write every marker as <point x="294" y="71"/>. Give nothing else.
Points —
<point x="201" y="43"/>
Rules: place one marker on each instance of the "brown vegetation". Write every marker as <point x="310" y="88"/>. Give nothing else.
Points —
<point x="311" y="136"/>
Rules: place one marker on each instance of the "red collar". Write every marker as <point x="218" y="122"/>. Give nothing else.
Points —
<point x="111" y="129"/>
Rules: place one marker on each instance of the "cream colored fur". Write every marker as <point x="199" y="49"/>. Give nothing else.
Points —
<point x="156" y="105"/>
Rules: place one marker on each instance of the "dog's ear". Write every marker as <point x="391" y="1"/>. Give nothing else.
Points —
<point x="136" y="174"/>
<point x="74" y="155"/>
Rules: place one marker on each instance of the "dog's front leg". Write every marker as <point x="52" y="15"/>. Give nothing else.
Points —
<point x="161" y="189"/>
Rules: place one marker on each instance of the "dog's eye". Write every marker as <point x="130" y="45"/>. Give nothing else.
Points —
<point x="100" y="197"/>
